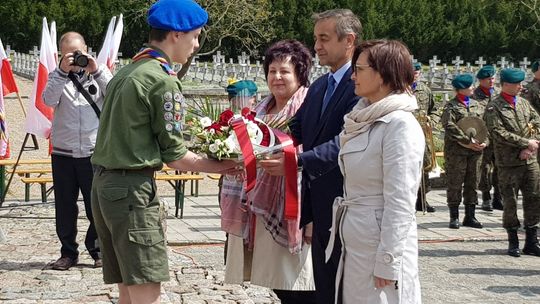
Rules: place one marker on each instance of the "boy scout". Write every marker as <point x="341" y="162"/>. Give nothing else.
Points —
<point x="513" y="126"/>
<point x="426" y="110"/>
<point x="461" y="153"/>
<point x="140" y="130"/>
<point x="484" y="93"/>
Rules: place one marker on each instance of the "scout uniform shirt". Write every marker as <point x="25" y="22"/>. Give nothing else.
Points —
<point x="453" y="112"/>
<point x="140" y="124"/>
<point x="511" y="129"/>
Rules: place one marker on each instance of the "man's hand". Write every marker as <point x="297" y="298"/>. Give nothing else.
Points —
<point x="92" y="66"/>
<point x="526" y="154"/>
<point x="236" y="169"/>
<point x="533" y="145"/>
<point x="308" y="233"/>
<point x="274" y="164"/>
<point x="66" y="63"/>
<point x="474" y="146"/>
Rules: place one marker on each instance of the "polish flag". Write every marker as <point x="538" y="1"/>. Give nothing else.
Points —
<point x="8" y="86"/>
<point x="53" y="40"/>
<point x="8" y="81"/>
<point x="38" y="120"/>
<point x="109" y="51"/>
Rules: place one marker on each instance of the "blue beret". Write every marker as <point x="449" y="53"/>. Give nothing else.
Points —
<point x="417" y="66"/>
<point x="512" y="75"/>
<point x="242" y="88"/>
<point x="463" y="81"/>
<point x="535" y="65"/>
<point x="177" y="15"/>
<point x="486" y="71"/>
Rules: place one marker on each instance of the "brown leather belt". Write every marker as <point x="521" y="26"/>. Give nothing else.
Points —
<point x="148" y="171"/>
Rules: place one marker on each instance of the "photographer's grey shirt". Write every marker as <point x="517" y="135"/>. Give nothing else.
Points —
<point x="75" y="123"/>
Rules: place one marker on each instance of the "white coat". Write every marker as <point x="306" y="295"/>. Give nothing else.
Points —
<point x="376" y="216"/>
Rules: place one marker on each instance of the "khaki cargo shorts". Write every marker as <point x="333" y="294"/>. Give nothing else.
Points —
<point x="129" y="226"/>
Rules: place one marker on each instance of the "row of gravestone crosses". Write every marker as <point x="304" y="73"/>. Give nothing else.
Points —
<point x="218" y="71"/>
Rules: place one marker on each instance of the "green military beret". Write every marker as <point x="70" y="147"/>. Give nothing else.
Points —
<point x="486" y="71"/>
<point x="512" y="75"/>
<point x="417" y="66"/>
<point x="535" y="65"/>
<point x="463" y="81"/>
<point x="242" y="88"/>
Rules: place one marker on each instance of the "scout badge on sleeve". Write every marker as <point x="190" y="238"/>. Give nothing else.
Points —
<point x="474" y="128"/>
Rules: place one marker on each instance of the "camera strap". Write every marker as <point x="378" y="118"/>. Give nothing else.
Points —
<point x="85" y="93"/>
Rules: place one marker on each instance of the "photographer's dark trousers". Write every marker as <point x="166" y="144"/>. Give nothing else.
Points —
<point x="69" y="175"/>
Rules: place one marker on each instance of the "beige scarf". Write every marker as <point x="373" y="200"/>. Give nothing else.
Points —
<point x="360" y="119"/>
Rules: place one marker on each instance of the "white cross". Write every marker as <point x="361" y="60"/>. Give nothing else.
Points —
<point x="35" y="51"/>
<point x="525" y="63"/>
<point x="434" y="61"/>
<point x="502" y="62"/>
<point x="480" y="62"/>
<point x="457" y="62"/>
<point x="92" y="53"/>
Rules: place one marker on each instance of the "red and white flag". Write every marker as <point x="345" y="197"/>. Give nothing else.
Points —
<point x="8" y="81"/>
<point x="53" y="40"/>
<point x="109" y="51"/>
<point x="8" y="86"/>
<point x="39" y="118"/>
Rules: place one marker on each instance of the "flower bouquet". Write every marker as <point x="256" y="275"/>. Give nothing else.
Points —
<point x="217" y="138"/>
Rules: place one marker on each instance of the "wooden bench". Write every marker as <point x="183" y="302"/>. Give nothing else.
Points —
<point x="178" y="182"/>
<point x="27" y="172"/>
<point x="42" y="181"/>
<point x="11" y="162"/>
<point x="214" y="176"/>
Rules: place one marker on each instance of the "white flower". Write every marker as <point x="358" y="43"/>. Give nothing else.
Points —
<point x="252" y="129"/>
<point x="205" y="122"/>
<point x="211" y="131"/>
<point x="218" y="142"/>
<point x="213" y="148"/>
<point x="232" y="144"/>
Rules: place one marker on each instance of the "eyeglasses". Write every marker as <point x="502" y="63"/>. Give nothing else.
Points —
<point x="361" y="67"/>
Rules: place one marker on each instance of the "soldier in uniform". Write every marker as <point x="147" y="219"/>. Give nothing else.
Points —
<point x="484" y="93"/>
<point x="461" y="153"/>
<point x="426" y="110"/>
<point x="140" y="129"/>
<point x="531" y="92"/>
<point x="513" y="126"/>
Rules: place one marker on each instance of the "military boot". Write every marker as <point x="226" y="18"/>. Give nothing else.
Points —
<point x="469" y="220"/>
<point x="497" y="200"/>
<point x="513" y="242"/>
<point x="454" y="218"/>
<point x="531" y="241"/>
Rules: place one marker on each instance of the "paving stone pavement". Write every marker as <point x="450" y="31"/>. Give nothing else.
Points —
<point x="456" y="266"/>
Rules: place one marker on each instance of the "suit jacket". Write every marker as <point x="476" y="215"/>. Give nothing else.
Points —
<point x="321" y="178"/>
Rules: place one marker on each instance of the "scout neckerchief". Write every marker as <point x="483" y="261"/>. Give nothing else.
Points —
<point x="464" y="100"/>
<point x="414" y="84"/>
<point x="151" y="53"/>
<point x="510" y="99"/>
<point x="487" y="92"/>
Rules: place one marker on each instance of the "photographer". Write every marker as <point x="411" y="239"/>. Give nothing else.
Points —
<point x="74" y="129"/>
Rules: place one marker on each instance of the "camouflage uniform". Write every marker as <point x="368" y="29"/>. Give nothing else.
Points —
<point x="488" y="170"/>
<point x="531" y="92"/>
<point x="510" y="131"/>
<point x="426" y="106"/>
<point x="462" y="164"/>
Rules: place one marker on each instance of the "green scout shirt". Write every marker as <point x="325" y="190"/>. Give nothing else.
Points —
<point x="426" y="103"/>
<point x="511" y="129"/>
<point x="454" y="111"/>
<point x="140" y="125"/>
<point x="531" y="92"/>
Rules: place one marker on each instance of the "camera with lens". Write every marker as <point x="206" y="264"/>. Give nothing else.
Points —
<point x="79" y="59"/>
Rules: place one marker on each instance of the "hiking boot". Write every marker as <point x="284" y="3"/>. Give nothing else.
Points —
<point x="513" y="242"/>
<point x="486" y="205"/>
<point x="531" y="242"/>
<point x="470" y="220"/>
<point x="454" y="218"/>
<point x="64" y="263"/>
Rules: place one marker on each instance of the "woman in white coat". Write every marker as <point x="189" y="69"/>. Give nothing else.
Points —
<point x="381" y="155"/>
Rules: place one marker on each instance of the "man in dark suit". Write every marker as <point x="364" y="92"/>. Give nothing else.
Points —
<point x="316" y="126"/>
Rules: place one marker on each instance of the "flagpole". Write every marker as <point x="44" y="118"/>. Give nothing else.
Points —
<point x="21" y="103"/>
